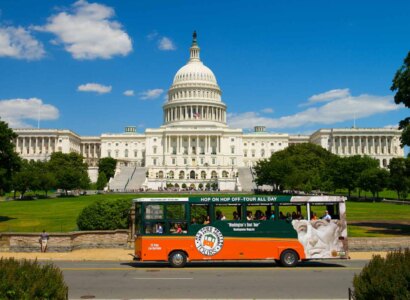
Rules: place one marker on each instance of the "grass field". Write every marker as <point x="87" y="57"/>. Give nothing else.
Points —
<point x="60" y="214"/>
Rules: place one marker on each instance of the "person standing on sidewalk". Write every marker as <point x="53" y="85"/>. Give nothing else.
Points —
<point x="43" y="241"/>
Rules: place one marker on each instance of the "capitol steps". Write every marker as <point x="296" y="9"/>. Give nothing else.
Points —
<point x="121" y="178"/>
<point x="245" y="177"/>
<point x="137" y="179"/>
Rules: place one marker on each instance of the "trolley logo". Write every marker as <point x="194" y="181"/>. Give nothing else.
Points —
<point x="209" y="240"/>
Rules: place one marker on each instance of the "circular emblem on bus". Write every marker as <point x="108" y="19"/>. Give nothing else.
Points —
<point x="209" y="240"/>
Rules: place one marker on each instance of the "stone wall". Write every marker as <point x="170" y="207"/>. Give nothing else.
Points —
<point x="379" y="243"/>
<point x="64" y="242"/>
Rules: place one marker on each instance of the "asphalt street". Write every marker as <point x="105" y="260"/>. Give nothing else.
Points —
<point x="262" y="280"/>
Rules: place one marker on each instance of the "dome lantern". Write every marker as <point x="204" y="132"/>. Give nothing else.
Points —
<point x="194" y="50"/>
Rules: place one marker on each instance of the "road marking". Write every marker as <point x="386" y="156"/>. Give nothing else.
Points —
<point x="159" y="278"/>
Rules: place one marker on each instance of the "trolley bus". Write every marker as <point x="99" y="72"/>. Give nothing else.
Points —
<point x="286" y="229"/>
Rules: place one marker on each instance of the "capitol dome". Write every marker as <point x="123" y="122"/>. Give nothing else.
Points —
<point x="194" y="97"/>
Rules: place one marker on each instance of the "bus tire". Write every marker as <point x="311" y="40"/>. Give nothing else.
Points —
<point x="177" y="259"/>
<point x="289" y="258"/>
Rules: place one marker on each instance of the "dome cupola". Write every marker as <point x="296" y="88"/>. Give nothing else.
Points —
<point x="194" y="97"/>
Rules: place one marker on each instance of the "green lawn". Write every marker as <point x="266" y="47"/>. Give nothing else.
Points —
<point x="60" y="214"/>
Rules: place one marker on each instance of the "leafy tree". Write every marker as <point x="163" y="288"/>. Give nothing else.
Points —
<point x="346" y="170"/>
<point x="9" y="159"/>
<point x="69" y="170"/>
<point x="298" y="167"/>
<point x="101" y="181"/>
<point x="401" y="84"/>
<point x="107" y="165"/>
<point x="373" y="180"/>
<point x="25" y="179"/>
<point x="399" y="179"/>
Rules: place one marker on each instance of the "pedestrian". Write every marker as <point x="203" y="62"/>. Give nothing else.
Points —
<point x="43" y="241"/>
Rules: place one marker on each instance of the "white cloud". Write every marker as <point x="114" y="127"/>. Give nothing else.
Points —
<point x="338" y="110"/>
<point x="87" y="31"/>
<point x="18" y="42"/>
<point x="152" y="35"/>
<point x="94" y="87"/>
<point x="151" y="94"/>
<point x="329" y="96"/>
<point x="129" y="93"/>
<point x="267" y="110"/>
<point x="16" y="111"/>
<point x="166" y="44"/>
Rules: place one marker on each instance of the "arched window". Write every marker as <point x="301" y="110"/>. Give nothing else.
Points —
<point x="192" y="175"/>
<point x="126" y="153"/>
<point x="160" y="174"/>
<point x="181" y="175"/>
<point x="203" y="175"/>
<point x="214" y="175"/>
<point x="225" y="174"/>
<point x="171" y="175"/>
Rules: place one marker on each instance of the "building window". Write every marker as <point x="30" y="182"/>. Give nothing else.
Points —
<point x="126" y="153"/>
<point x="213" y="161"/>
<point x="271" y="144"/>
<point x="109" y="153"/>
<point x="245" y="153"/>
<point x="154" y="161"/>
<point x="116" y="153"/>
<point x="185" y="161"/>
<point x="253" y="153"/>
<point x="154" y="150"/>
<point x="263" y="153"/>
<point x="232" y="140"/>
<point x="135" y="153"/>
<point x="116" y="144"/>
<point x="173" y="161"/>
<point x="232" y="161"/>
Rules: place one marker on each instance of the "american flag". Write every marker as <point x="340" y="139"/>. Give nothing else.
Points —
<point x="197" y="115"/>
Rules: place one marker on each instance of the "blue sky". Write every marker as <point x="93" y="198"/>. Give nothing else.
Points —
<point x="293" y="66"/>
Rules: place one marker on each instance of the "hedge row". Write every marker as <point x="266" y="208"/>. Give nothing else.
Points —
<point x="105" y="215"/>
<point x="29" y="280"/>
<point x="384" y="278"/>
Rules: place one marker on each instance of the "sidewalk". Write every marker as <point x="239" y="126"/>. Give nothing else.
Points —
<point x="115" y="255"/>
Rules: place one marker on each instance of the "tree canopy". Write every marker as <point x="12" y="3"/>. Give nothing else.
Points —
<point x="9" y="159"/>
<point x="107" y="165"/>
<point x="298" y="167"/>
<point x="69" y="170"/>
<point x="401" y="84"/>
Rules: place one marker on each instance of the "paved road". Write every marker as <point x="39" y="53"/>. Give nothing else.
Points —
<point x="116" y="280"/>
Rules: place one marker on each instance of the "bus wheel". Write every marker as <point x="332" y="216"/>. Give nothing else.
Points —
<point x="177" y="259"/>
<point x="289" y="258"/>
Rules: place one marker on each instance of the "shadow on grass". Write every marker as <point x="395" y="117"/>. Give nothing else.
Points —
<point x="5" y="218"/>
<point x="384" y="228"/>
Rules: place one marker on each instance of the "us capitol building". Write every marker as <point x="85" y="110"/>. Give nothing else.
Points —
<point x="195" y="146"/>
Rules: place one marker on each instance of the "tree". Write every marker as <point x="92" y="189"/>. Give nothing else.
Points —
<point x="373" y="180"/>
<point x="298" y="167"/>
<point x="346" y="170"/>
<point x="401" y="84"/>
<point x="399" y="179"/>
<point x="107" y="165"/>
<point x="69" y="170"/>
<point x="101" y="181"/>
<point x="9" y="159"/>
<point x="25" y="179"/>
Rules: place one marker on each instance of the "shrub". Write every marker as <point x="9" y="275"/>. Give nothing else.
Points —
<point x="105" y="215"/>
<point x="30" y="280"/>
<point x="384" y="278"/>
